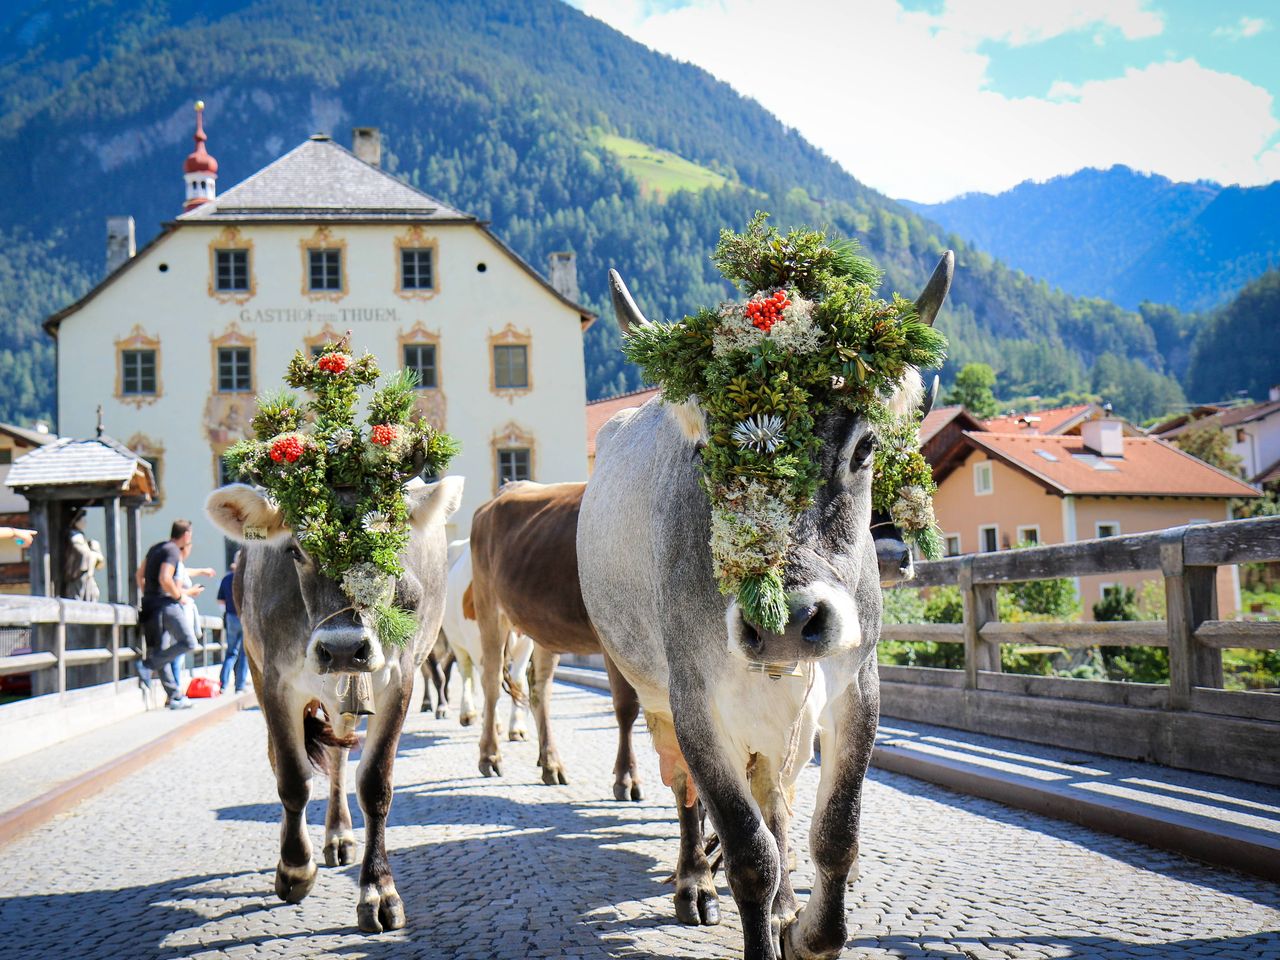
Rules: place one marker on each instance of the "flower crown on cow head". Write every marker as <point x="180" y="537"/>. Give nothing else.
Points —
<point x="340" y="486"/>
<point x="811" y="337"/>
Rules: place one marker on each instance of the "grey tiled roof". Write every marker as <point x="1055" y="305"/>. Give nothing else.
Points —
<point x="66" y="461"/>
<point x="319" y="179"/>
<point x="33" y="437"/>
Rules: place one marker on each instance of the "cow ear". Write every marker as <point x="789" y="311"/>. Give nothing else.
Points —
<point x="245" y="515"/>
<point x="434" y="502"/>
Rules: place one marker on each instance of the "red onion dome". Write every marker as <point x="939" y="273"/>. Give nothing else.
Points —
<point x="198" y="160"/>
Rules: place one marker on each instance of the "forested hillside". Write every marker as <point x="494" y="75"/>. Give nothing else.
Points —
<point x="1126" y="236"/>
<point x="513" y="111"/>
<point x="1236" y="351"/>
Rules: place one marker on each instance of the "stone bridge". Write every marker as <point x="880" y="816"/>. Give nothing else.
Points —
<point x="176" y="861"/>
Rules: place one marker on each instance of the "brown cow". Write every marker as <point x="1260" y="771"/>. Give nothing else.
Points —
<point x="525" y="576"/>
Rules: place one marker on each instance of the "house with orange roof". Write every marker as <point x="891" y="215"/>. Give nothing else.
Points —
<point x="1252" y="430"/>
<point x="997" y="489"/>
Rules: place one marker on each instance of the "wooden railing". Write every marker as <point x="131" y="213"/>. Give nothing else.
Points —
<point x="1189" y="722"/>
<point x="49" y="620"/>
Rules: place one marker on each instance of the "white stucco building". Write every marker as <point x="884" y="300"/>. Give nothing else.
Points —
<point x="178" y="339"/>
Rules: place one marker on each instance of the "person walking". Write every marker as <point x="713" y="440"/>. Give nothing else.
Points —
<point x="236" y="657"/>
<point x="183" y="577"/>
<point x="165" y="623"/>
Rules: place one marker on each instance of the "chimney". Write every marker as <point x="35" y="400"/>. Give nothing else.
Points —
<point x="366" y="143"/>
<point x="120" y="242"/>
<point x="564" y="275"/>
<point x="1104" y="436"/>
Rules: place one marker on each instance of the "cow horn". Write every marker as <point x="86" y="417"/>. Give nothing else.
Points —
<point x="629" y="314"/>
<point x="930" y="302"/>
<point x="930" y="397"/>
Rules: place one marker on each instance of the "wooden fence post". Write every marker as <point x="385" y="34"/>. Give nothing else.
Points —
<point x="1191" y="598"/>
<point x="979" y="608"/>
<point x="60" y="647"/>
<point x="115" y="648"/>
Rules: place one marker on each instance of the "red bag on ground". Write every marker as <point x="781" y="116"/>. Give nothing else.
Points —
<point x="202" y="687"/>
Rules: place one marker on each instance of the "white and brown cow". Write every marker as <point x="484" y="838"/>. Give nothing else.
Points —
<point x="729" y="728"/>
<point x="303" y="638"/>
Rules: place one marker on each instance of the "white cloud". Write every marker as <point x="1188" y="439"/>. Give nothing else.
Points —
<point x="903" y="101"/>
<point x="1246" y="27"/>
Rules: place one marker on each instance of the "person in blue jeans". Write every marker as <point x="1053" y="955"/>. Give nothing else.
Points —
<point x="165" y="624"/>
<point x="235" y="656"/>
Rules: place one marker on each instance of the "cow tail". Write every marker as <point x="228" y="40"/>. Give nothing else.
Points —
<point x="318" y="733"/>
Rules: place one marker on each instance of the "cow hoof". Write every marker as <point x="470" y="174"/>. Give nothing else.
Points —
<point x="294" y="883"/>
<point x="518" y="735"/>
<point x="442" y="713"/>
<point x="619" y="791"/>
<point x="553" y="775"/>
<point x="339" y="851"/>
<point x="636" y="793"/>
<point x="379" y="911"/>
<point x="467" y="719"/>
<point x="696" y="907"/>
<point x="490" y="767"/>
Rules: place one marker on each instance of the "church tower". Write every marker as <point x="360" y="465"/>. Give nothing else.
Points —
<point x="200" y="171"/>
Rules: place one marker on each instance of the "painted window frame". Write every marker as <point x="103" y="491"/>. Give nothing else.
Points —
<point x="514" y="453"/>
<point x="981" y="468"/>
<point x="138" y="354"/>
<point x="237" y="349"/>
<point x="1099" y="524"/>
<point x="417" y="367"/>
<point x="238" y="278"/>
<point x="982" y="539"/>
<point x="509" y="350"/>
<point x="946" y="544"/>
<point x="416" y="253"/>
<point x="1029" y="526"/>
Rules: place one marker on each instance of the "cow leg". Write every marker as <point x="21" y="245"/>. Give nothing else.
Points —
<point x="521" y="648"/>
<point x="339" y="840"/>
<point x="380" y="906"/>
<point x="626" y="707"/>
<point x="774" y="800"/>
<point x="696" y="899"/>
<point x="467" y="706"/>
<point x="296" y="869"/>
<point x="751" y="862"/>
<point x="429" y="671"/>
<point x="819" y="931"/>
<point x="442" y="693"/>
<point x="492" y="643"/>
<point x="544" y="670"/>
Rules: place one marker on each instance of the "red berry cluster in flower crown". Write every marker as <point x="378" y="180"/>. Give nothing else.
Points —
<point x="764" y="313"/>
<point x="384" y="434"/>
<point x="287" y="448"/>
<point x="334" y="363"/>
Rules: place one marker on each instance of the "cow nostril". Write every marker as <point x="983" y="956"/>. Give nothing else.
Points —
<point x="750" y="636"/>
<point x="324" y="654"/>
<point x="815" y="627"/>
<point x="364" y="652"/>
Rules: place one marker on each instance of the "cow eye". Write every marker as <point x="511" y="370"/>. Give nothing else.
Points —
<point x="863" y="451"/>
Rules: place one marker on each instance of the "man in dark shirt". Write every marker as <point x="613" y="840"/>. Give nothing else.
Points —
<point x="166" y="628"/>
<point x="235" y="656"/>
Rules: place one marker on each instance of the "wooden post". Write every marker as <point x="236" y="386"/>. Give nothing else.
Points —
<point x="133" y="551"/>
<point x="979" y="609"/>
<point x="38" y="557"/>
<point x="60" y="646"/>
<point x="111" y="510"/>
<point x="1191" y="598"/>
<point x="115" y="649"/>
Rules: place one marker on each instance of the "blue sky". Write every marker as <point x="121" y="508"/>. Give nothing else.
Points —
<point x="995" y="91"/>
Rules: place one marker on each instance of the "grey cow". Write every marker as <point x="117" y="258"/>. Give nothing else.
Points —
<point x="302" y="635"/>
<point x="727" y="733"/>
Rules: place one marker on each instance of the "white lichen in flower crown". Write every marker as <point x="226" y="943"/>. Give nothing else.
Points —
<point x="810" y="337"/>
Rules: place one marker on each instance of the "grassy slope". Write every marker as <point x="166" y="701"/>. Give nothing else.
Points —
<point x="659" y="172"/>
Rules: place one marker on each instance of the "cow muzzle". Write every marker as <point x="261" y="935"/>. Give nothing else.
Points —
<point x="345" y="649"/>
<point x="822" y="621"/>
<point x="894" y="559"/>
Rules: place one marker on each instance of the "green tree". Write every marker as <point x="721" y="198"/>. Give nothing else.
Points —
<point x="1118" y="603"/>
<point x="1210" y="443"/>
<point x="972" y="390"/>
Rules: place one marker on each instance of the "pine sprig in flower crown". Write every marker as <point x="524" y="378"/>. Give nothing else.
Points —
<point x="340" y="486"/>
<point x="810" y="338"/>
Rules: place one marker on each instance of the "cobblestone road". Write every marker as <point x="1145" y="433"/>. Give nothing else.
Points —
<point x="178" y="861"/>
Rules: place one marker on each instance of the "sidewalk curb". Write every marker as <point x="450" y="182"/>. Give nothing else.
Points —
<point x="39" y="810"/>
<point x="1223" y="845"/>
